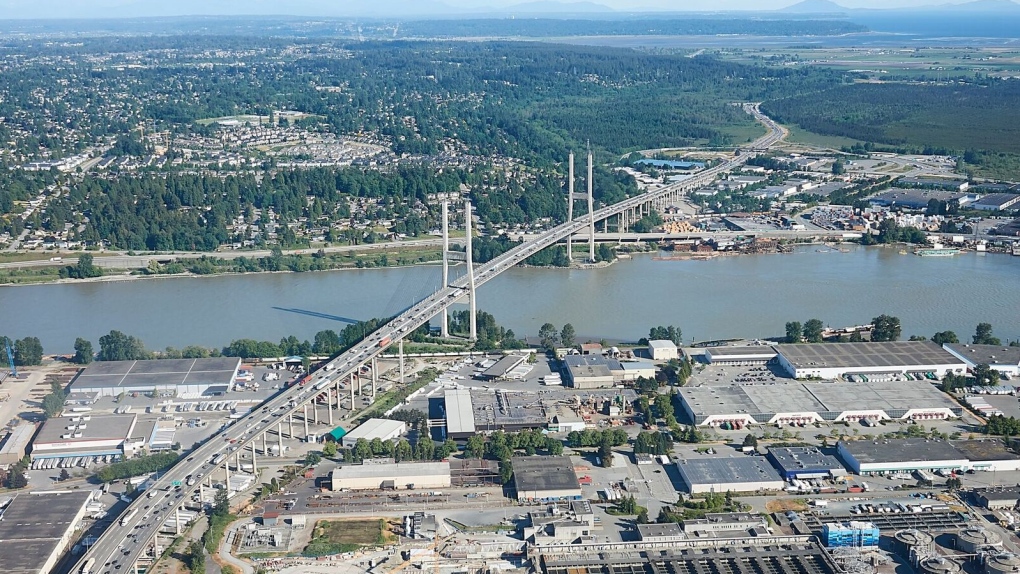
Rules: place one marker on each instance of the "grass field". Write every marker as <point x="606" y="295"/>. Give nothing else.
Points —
<point x="800" y="135"/>
<point x="339" y="536"/>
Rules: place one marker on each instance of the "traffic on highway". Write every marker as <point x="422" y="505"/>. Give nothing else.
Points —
<point x="124" y="542"/>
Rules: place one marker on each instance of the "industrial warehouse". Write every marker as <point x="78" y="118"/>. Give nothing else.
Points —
<point x="835" y="360"/>
<point x="545" y="479"/>
<point x="804" y="462"/>
<point x="382" y="429"/>
<point x="599" y="372"/>
<point x="734" y="474"/>
<point x="805" y="403"/>
<point x="36" y="529"/>
<point x="387" y="475"/>
<point x="1002" y="358"/>
<point x="183" y="378"/>
<point x="105" y="435"/>
<point x="910" y="454"/>
<point x="471" y="410"/>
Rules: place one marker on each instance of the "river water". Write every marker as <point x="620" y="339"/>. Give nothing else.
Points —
<point x="743" y="296"/>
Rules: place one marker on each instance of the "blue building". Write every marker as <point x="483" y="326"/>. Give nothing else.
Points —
<point x="840" y="534"/>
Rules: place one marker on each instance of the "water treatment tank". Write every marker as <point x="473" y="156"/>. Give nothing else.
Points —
<point x="970" y="540"/>
<point x="1003" y="563"/>
<point x="939" y="565"/>
<point x="905" y="540"/>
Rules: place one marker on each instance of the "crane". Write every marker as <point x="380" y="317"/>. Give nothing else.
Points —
<point x="10" y="358"/>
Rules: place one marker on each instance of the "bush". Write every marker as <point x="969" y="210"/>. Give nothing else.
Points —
<point x="137" y="466"/>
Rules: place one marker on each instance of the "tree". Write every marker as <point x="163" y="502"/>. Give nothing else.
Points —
<point x="985" y="376"/>
<point x="606" y="452"/>
<point x="751" y="440"/>
<point x="794" y="332"/>
<point x="329" y="449"/>
<point x="221" y="504"/>
<point x="944" y="337"/>
<point x="983" y="335"/>
<point x="813" y="331"/>
<point x="53" y="403"/>
<point x="313" y="458"/>
<point x="856" y="337"/>
<point x="83" y="353"/>
<point x="567" y="335"/>
<point x="642" y="516"/>
<point x="28" y="351"/>
<point x="886" y="328"/>
<point x="549" y="337"/>
<point x="362" y="450"/>
<point x="64" y="475"/>
<point x="954" y="483"/>
<point x="117" y="346"/>
<point x="475" y="447"/>
<point x="16" y="479"/>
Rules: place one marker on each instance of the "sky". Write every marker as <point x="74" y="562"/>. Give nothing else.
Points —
<point x="114" y="8"/>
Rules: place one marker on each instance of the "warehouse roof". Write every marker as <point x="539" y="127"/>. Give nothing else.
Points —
<point x="376" y="428"/>
<point x="747" y="351"/>
<point x="157" y="373"/>
<point x="33" y="525"/>
<point x="986" y="354"/>
<point x="460" y="416"/>
<point x="18" y="439"/>
<point x="984" y="450"/>
<point x="537" y="473"/>
<point x="795" y="458"/>
<point x="400" y="469"/>
<point x="504" y="366"/>
<point x="897" y="450"/>
<point x="100" y="427"/>
<point x="860" y="355"/>
<point x="737" y="469"/>
<point x="662" y="344"/>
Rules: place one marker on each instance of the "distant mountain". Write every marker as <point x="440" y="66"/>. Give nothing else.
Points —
<point x="552" y="7"/>
<point x="983" y="6"/>
<point x="815" y="7"/>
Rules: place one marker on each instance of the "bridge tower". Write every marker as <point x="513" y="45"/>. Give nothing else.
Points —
<point x="472" y="319"/>
<point x="467" y="257"/>
<point x="571" y="198"/>
<point x="591" y="210"/>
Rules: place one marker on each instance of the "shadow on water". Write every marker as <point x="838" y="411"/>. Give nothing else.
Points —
<point x="319" y="315"/>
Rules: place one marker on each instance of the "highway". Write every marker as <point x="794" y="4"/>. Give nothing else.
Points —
<point x="125" y="543"/>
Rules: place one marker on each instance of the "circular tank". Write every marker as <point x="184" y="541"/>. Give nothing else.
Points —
<point x="970" y="540"/>
<point x="911" y="537"/>
<point x="1004" y="563"/>
<point x="939" y="566"/>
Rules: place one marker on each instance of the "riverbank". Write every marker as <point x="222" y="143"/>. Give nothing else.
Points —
<point x="720" y="299"/>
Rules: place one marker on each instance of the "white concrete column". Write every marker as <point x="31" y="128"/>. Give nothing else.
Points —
<point x="265" y="449"/>
<point x="304" y="417"/>
<point x="290" y="426"/>
<point x="375" y="375"/>
<point x="254" y="461"/>
<point x="279" y="435"/>
<point x="401" y="352"/>
<point x="177" y="520"/>
<point x="329" y="404"/>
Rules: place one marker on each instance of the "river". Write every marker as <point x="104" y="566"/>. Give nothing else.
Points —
<point x="742" y="296"/>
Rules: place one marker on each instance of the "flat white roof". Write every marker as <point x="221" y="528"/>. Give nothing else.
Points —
<point x="662" y="344"/>
<point x="397" y="470"/>
<point x="376" y="428"/>
<point x="460" y="416"/>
